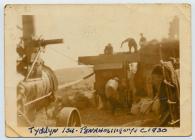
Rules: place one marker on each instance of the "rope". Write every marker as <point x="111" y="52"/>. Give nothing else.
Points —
<point x="74" y="82"/>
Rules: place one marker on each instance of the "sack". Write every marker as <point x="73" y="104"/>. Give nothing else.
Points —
<point x="145" y="107"/>
<point x="135" y="109"/>
<point x="156" y="107"/>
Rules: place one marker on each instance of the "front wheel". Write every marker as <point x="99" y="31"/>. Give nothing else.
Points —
<point x="68" y="117"/>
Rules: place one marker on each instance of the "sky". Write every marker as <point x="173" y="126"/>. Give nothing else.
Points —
<point x="87" y="29"/>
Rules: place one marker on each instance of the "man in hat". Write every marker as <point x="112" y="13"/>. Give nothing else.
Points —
<point x="108" y="49"/>
<point x="142" y="40"/>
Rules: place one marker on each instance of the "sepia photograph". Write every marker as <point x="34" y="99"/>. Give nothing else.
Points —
<point x="99" y="67"/>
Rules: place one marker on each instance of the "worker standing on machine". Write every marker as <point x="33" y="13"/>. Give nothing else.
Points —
<point x="131" y="43"/>
<point x="142" y="40"/>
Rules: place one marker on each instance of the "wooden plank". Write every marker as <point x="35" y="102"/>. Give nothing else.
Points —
<point x="103" y="59"/>
<point x="108" y="66"/>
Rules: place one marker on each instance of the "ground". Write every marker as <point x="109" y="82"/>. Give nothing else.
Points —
<point x="94" y="117"/>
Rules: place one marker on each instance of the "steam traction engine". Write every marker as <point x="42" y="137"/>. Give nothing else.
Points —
<point x="37" y="90"/>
